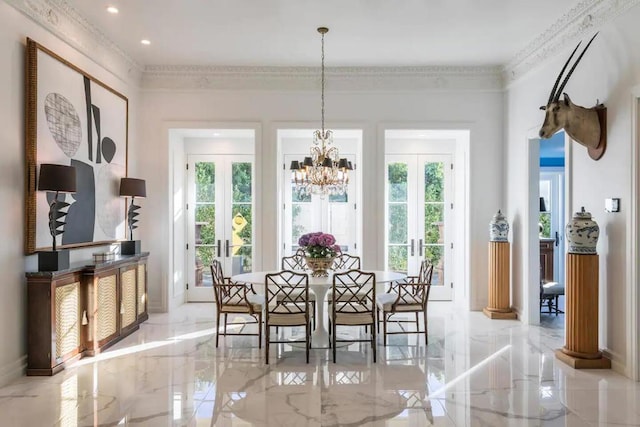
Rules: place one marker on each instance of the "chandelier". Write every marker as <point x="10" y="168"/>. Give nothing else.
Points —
<point x="324" y="172"/>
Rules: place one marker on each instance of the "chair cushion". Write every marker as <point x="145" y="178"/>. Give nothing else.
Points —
<point x="238" y="304"/>
<point x="552" y="288"/>
<point x="282" y="319"/>
<point x="385" y="303"/>
<point x="354" y="318"/>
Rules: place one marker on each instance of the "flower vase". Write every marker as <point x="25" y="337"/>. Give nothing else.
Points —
<point x="319" y="266"/>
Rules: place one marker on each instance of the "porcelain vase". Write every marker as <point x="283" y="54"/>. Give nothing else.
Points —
<point x="499" y="228"/>
<point x="582" y="233"/>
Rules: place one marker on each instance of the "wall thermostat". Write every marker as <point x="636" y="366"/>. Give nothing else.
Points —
<point x="612" y="205"/>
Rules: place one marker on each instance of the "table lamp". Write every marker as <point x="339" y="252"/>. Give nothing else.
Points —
<point x="61" y="179"/>
<point x="132" y="187"/>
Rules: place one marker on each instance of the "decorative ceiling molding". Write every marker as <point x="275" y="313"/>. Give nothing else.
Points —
<point x="64" y="21"/>
<point x="308" y="78"/>
<point x="59" y="17"/>
<point x="582" y="20"/>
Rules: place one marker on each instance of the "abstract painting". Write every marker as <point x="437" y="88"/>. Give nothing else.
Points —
<point x="74" y="119"/>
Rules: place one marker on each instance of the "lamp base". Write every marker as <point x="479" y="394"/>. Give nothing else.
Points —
<point x="53" y="260"/>
<point x="130" y="247"/>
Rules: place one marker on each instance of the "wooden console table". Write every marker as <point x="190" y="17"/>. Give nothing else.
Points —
<point x="83" y="310"/>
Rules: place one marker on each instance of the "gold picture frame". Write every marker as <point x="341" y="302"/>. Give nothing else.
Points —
<point x="74" y="119"/>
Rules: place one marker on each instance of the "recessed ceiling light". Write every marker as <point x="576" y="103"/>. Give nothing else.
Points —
<point x="216" y="134"/>
<point x="112" y="9"/>
<point x="145" y="42"/>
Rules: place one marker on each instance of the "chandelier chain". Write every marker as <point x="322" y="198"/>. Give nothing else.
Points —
<point x="322" y="90"/>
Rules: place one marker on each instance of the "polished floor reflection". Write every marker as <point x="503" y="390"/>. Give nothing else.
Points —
<point x="474" y="372"/>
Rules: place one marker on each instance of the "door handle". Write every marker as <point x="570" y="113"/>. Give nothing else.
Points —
<point x="219" y="248"/>
<point x="420" y="247"/>
<point x="557" y="239"/>
<point x="226" y="248"/>
<point x="413" y="251"/>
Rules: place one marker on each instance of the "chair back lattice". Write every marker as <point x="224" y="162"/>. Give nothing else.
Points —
<point x="294" y="262"/>
<point x="416" y="291"/>
<point x="354" y="292"/>
<point x="346" y="262"/>
<point x="287" y="292"/>
<point x="226" y="292"/>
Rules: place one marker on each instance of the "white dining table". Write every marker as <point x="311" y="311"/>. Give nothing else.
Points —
<point x="320" y="286"/>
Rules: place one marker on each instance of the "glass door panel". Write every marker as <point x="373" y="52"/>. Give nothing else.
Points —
<point x="335" y="214"/>
<point x="241" y="246"/>
<point x="220" y="212"/>
<point x="418" y="209"/>
<point x="436" y="241"/>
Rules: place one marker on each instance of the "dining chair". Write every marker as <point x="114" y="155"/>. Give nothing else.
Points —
<point x="294" y="262"/>
<point x="297" y="262"/>
<point x="407" y="296"/>
<point x="235" y="298"/>
<point x="287" y="305"/>
<point x="353" y="303"/>
<point x="346" y="262"/>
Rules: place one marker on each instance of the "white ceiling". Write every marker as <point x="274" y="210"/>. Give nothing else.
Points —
<point x="362" y="32"/>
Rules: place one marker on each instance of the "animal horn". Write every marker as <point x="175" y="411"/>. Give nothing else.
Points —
<point x="552" y="95"/>
<point x="566" y="79"/>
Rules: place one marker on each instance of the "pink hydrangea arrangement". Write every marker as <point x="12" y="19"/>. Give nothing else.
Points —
<point x="319" y="245"/>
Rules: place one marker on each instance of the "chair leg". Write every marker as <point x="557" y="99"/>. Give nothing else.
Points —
<point x="307" y="330"/>
<point x="217" y="327"/>
<point x="426" y="336"/>
<point x="417" y="323"/>
<point x="225" y="323"/>
<point x="373" y="341"/>
<point x="384" y="328"/>
<point x="378" y="322"/>
<point x="557" y="298"/>
<point x="266" y="343"/>
<point x="260" y="330"/>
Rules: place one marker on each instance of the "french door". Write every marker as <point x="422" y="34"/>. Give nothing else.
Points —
<point x="418" y="217"/>
<point x="220" y="219"/>
<point x="336" y="214"/>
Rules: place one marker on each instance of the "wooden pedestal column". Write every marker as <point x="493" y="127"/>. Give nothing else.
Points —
<point x="581" y="313"/>
<point x="499" y="292"/>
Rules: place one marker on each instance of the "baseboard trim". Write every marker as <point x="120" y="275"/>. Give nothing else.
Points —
<point x="616" y="365"/>
<point x="13" y="370"/>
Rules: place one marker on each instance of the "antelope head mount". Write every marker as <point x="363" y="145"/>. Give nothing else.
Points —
<point x="587" y="126"/>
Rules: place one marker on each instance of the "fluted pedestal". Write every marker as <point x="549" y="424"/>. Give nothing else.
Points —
<point x="499" y="292"/>
<point x="581" y="313"/>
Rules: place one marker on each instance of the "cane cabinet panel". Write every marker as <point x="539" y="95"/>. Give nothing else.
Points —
<point x="81" y="311"/>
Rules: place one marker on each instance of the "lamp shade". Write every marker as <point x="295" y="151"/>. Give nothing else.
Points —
<point x="133" y="187"/>
<point x="543" y="205"/>
<point x="59" y="178"/>
<point x="295" y="165"/>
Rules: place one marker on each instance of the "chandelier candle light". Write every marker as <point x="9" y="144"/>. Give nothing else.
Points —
<point x="320" y="250"/>
<point x="324" y="172"/>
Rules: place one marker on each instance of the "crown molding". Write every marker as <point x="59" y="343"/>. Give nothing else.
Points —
<point x="581" y="20"/>
<point x="308" y="78"/>
<point x="61" y="19"/>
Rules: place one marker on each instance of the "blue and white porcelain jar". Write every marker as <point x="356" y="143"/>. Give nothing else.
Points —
<point x="582" y="233"/>
<point x="499" y="228"/>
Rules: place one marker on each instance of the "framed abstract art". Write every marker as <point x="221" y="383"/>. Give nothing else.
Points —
<point x="76" y="120"/>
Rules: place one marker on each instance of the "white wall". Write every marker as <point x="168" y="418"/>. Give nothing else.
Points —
<point x="481" y="112"/>
<point x="608" y="72"/>
<point x="14" y="28"/>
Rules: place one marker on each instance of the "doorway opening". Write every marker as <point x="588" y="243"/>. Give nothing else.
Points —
<point x="220" y="207"/>
<point x="338" y="214"/>
<point x="424" y="206"/>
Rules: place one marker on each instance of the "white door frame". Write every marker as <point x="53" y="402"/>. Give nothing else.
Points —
<point x="633" y="245"/>
<point x="531" y="277"/>
<point x="172" y="288"/>
<point x="459" y="135"/>
<point x="281" y="130"/>
<point x="223" y="218"/>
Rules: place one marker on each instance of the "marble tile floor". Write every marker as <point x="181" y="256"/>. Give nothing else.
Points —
<point x="474" y="372"/>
